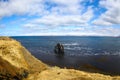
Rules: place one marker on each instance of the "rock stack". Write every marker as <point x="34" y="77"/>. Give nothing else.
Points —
<point x="59" y="49"/>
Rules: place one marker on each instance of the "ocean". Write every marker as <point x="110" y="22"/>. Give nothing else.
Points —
<point x="81" y="52"/>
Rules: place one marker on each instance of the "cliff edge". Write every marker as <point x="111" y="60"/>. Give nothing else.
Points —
<point x="16" y="63"/>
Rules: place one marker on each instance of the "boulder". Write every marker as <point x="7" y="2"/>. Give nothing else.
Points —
<point x="59" y="49"/>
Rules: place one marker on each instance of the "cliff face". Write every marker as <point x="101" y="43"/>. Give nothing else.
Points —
<point x="10" y="51"/>
<point x="16" y="63"/>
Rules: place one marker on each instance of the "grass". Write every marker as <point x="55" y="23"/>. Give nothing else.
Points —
<point x="56" y="73"/>
<point x="16" y="61"/>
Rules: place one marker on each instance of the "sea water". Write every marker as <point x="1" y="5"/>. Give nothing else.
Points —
<point x="101" y="52"/>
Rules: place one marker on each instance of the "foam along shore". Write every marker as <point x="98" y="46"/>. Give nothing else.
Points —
<point x="16" y="63"/>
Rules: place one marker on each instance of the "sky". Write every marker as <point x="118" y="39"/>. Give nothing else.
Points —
<point x="60" y="17"/>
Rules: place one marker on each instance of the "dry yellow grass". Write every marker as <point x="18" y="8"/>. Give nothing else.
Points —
<point x="56" y="73"/>
<point x="13" y="52"/>
<point x="10" y="51"/>
<point x="34" y="64"/>
<point x="14" y="57"/>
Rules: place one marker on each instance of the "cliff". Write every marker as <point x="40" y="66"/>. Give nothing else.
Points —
<point x="16" y="63"/>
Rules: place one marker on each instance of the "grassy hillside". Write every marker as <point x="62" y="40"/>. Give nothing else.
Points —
<point x="16" y="63"/>
<point x="56" y="73"/>
<point x="15" y="60"/>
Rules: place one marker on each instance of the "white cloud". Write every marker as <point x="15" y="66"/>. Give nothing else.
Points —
<point x="53" y="16"/>
<point x="18" y="7"/>
<point x="65" y="6"/>
<point x="66" y="13"/>
<point x="56" y="20"/>
<point x="59" y="17"/>
<point x="53" y="20"/>
<point x="76" y="31"/>
<point x="112" y="15"/>
<point x="32" y="7"/>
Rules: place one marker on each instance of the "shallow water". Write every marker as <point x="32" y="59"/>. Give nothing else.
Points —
<point x="102" y="53"/>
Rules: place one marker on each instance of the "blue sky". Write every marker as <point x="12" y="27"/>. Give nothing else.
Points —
<point x="59" y="17"/>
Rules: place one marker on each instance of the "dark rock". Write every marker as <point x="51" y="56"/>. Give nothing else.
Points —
<point x="59" y="49"/>
<point x="16" y="78"/>
<point x="25" y="74"/>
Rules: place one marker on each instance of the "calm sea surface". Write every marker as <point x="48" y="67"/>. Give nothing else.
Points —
<point x="102" y="53"/>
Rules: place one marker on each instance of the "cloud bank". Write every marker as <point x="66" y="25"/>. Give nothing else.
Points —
<point x="60" y="17"/>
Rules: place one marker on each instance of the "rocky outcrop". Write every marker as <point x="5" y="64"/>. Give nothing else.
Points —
<point x="59" y="49"/>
